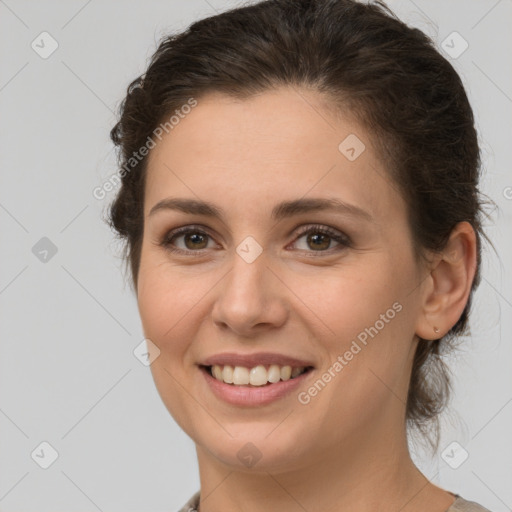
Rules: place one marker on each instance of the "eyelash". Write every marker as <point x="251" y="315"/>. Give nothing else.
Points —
<point x="342" y="239"/>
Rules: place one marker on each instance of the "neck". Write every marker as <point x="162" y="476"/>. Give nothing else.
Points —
<point x="370" y="472"/>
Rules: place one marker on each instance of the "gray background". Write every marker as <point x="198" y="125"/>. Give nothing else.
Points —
<point x="69" y="324"/>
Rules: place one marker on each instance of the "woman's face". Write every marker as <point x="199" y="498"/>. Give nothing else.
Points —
<point x="258" y="285"/>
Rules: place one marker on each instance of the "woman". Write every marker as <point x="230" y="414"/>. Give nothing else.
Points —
<point x="301" y="212"/>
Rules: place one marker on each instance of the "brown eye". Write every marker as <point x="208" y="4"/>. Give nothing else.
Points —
<point x="186" y="240"/>
<point x="195" y="240"/>
<point x="320" y="239"/>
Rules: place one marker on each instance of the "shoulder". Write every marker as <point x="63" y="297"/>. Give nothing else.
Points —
<point x="192" y="504"/>
<point x="462" y="505"/>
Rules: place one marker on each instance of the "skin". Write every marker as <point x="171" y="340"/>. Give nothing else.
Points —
<point x="347" y="447"/>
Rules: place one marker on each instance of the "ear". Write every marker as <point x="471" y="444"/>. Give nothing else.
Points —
<point x="448" y="285"/>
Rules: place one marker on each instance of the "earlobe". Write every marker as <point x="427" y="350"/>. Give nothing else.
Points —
<point x="450" y="280"/>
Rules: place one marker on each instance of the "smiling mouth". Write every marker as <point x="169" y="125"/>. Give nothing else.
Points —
<point x="257" y="376"/>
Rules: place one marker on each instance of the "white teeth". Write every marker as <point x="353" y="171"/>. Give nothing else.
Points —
<point x="240" y="375"/>
<point x="217" y="372"/>
<point x="256" y="376"/>
<point x="274" y="373"/>
<point x="227" y="374"/>
<point x="286" y="372"/>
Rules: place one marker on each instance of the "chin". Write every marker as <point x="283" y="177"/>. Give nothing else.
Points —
<point x="255" y="448"/>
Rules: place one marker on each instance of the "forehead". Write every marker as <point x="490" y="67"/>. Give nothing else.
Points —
<point x="278" y="144"/>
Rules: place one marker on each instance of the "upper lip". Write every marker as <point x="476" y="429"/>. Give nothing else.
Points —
<point x="252" y="360"/>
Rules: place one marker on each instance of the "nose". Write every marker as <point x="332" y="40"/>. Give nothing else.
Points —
<point x="251" y="298"/>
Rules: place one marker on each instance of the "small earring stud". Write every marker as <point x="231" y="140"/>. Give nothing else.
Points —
<point x="436" y="329"/>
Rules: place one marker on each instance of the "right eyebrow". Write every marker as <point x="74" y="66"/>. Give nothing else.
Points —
<point x="191" y="206"/>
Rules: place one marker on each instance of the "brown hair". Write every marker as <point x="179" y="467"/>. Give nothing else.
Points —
<point x="362" y="58"/>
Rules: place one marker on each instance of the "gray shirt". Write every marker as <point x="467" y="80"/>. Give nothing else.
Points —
<point x="459" y="505"/>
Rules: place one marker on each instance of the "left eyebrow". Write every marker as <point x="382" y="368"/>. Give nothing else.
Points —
<point x="298" y="206"/>
<point x="283" y="210"/>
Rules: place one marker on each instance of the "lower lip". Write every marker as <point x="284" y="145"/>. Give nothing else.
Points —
<point x="250" y="396"/>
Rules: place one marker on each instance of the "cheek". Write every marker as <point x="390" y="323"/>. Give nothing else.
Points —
<point x="166" y="310"/>
<point x="351" y="298"/>
<point x="368" y="321"/>
<point x="165" y="301"/>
